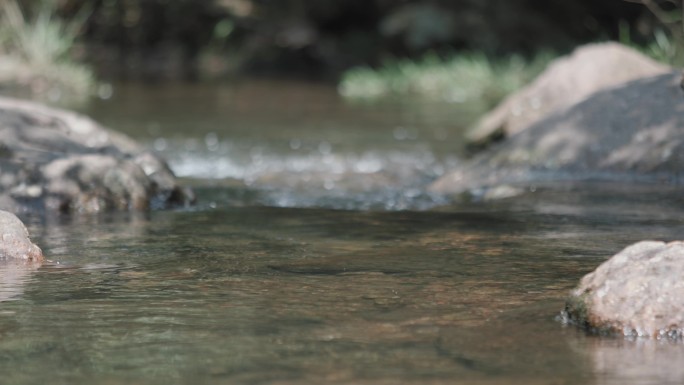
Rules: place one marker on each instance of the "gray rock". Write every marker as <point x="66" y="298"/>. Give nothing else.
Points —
<point x="566" y="81"/>
<point x="15" y="244"/>
<point x="57" y="160"/>
<point x="637" y="292"/>
<point x="634" y="132"/>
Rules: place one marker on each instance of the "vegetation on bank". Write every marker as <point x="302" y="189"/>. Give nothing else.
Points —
<point x="197" y="39"/>
<point x="664" y="47"/>
<point x="319" y="39"/>
<point x="474" y="77"/>
<point x="36" y="53"/>
<point x="464" y="77"/>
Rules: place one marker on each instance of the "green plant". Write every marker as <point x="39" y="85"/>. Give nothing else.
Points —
<point x="465" y="77"/>
<point x="667" y="45"/>
<point x="40" y="47"/>
<point x="663" y="47"/>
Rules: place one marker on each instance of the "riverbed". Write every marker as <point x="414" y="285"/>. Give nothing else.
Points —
<point x="314" y="255"/>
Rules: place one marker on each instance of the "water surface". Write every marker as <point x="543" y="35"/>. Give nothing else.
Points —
<point x="358" y="282"/>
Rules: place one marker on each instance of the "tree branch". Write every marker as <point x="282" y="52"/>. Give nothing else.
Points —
<point x="654" y="8"/>
<point x="661" y="15"/>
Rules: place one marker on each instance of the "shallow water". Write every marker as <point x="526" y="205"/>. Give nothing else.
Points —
<point x="293" y="144"/>
<point x="275" y="284"/>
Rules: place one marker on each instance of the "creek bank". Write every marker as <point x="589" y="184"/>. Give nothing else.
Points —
<point x="630" y="132"/>
<point x="566" y="81"/>
<point x="636" y="293"/>
<point x="53" y="160"/>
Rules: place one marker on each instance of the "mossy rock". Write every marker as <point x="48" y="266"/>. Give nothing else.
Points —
<point x="636" y="293"/>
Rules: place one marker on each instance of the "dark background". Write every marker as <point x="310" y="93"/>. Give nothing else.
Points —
<point x="321" y="38"/>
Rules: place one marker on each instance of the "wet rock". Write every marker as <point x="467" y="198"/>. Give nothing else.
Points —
<point x="637" y="292"/>
<point x="565" y="82"/>
<point x="56" y="160"/>
<point x="634" y="132"/>
<point x="15" y="244"/>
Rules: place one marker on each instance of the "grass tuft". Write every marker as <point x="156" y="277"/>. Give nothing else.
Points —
<point x="466" y="77"/>
<point x="35" y="53"/>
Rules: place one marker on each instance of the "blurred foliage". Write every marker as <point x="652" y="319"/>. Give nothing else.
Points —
<point x="36" y="51"/>
<point x="464" y="77"/>
<point x="171" y="38"/>
<point x="667" y="44"/>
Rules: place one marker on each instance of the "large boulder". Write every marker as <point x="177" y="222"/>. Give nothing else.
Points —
<point x="637" y="292"/>
<point x="634" y="132"/>
<point x="15" y="244"/>
<point x="566" y="81"/>
<point x="56" y="160"/>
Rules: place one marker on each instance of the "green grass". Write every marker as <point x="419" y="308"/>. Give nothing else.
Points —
<point x="35" y="52"/>
<point x="665" y="47"/>
<point x="465" y="77"/>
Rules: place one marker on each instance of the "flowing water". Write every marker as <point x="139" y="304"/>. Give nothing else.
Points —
<point x="314" y="256"/>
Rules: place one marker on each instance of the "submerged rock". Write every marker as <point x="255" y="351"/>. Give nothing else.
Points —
<point x="634" y="132"/>
<point x="15" y="244"/>
<point x="637" y="292"/>
<point x="566" y="81"/>
<point x="56" y="160"/>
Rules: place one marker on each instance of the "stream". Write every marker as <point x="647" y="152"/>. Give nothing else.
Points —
<point x="315" y="256"/>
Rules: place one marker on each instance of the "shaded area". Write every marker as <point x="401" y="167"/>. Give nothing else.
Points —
<point x="567" y="81"/>
<point x="157" y="39"/>
<point x="628" y="133"/>
<point x="59" y="161"/>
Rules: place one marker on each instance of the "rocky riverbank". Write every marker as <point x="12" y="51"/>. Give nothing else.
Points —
<point x="605" y="113"/>
<point x="628" y="131"/>
<point x="56" y="161"/>
<point x="53" y="160"/>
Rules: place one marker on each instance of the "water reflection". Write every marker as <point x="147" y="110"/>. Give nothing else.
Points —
<point x="294" y="144"/>
<point x="308" y="296"/>
<point x="14" y="276"/>
<point x="620" y="361"/>
<point x="263" y="282"/>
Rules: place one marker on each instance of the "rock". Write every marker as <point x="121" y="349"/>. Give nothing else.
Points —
<point x="56" y="160"/>
<point x="637" y="292"/>
<point x="565" y="82"/>
<point x="634" y="132"/>
<point x="15" y="244"/>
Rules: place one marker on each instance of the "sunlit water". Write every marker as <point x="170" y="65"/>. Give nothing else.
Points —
<point x="296" y="145"/>
<point x="269" y="281"/>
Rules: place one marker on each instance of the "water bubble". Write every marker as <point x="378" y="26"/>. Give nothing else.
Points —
<point x="160" y="144"/>
<point x="295" y="144"/>
<point x="368" y="165"/>
<point x="105" y="91"/>
<point x="212" y="141"/>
